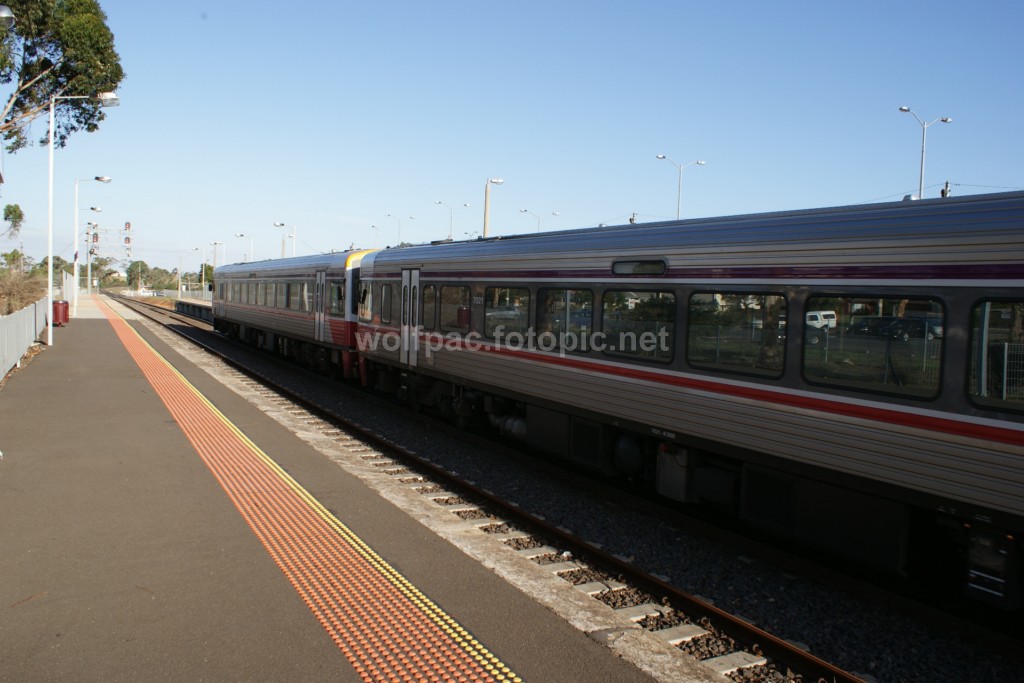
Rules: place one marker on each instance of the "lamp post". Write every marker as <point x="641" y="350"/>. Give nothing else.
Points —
<point x="451" y="218"/>
<point x="181" y="258"/>
<point x="215" y="245"/>
<point x="239" y="234"/>
<point x="679" y="190"/>
<point x="924" y="137"/>
<point x="107" y="99"/>
<point x="487" y="201"/>
<point x="74" y="240"/>
<point x="282" y="225"/>
<point x="553" y="213"/>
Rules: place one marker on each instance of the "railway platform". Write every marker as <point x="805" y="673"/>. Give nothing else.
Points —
<point x="154" y="525"/>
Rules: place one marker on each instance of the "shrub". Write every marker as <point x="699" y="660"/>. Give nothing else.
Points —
<point x="18" y="290"/>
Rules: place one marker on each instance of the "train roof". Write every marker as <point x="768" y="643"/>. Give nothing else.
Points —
<point x="987" y="227"/>
<point x="335" y="261"/>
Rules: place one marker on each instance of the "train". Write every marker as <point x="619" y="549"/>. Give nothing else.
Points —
<point x="850" y="378"/>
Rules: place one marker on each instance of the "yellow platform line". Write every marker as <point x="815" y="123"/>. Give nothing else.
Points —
<point x="386" y="627"/>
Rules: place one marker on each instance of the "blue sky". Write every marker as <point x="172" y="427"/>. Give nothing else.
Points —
<point x="328" y="116"/>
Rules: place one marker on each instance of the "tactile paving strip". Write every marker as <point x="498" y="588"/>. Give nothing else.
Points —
<point x="385" y="627"/>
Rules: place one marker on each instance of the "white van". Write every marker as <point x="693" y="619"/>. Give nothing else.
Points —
<point x="821" y="319"/>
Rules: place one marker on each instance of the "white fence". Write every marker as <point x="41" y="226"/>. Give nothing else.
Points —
<point x="18" y="331"/>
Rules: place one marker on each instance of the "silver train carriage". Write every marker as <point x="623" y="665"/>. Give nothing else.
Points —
<point x="851" y="378"/>
<point x="303" y="308"/>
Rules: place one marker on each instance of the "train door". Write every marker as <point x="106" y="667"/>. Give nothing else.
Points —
<point x="410" y="317"/>
<point x="319" y="297"/>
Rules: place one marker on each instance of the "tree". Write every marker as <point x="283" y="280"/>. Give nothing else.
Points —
<point x="13" y="259"/>
<point x="137" y="270"/>
<point x="14" y="217"/>
<point x="57" y="48"/>
<point x="59" y="264"/>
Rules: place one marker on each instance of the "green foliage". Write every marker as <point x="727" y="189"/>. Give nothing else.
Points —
<point x="13" y="260"/>
<point x="57" y="48"/>
<point x="59" y="264"/>
<point x="14" y="217"/>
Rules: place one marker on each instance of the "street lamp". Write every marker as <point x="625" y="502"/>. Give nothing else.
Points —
<point x="282" y="225"/>
<point x="107" y="99"/>
<point x="181" y="258"/>
<point x="553" y="213"/>
<point x="238" y="234"/>
<point x="451" y="218"/>
<point x="532" y="214"/>
<point x="74" y="236"/>
<point x="679" y="190"/>
<point x="6" y="17"/>
<point x="487" y="201"/>
<point x="215" y="245"/>
<point x="924" y="136"/>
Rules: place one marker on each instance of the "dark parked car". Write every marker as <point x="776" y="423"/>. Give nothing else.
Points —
<point x="905" y="329"/>
<point x="870" y="325"/>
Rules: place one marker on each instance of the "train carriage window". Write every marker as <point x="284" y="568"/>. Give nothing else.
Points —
<point x="891" y="345"/>
<point x="294" y="296"/>
<point x="252" y="293"/>
<point x="565" y="318"/>
<point x="639" y="267"/>
<point x="281" y="301"/>
<point x="234" y="292"/>
<point x="506" y="311"/>
<point x="996" y="373"/>
<point x="307" y="297"/>
<point x="261" y="293"/>
<point x="455" y="309"/>
<point x="738" y="332"/>
<point x="365" y="301"/>
<point x="385" y="302"/>
<point x="337" y="298"/>
<point x="428" y="311"/>
<point x="639" y="324"/>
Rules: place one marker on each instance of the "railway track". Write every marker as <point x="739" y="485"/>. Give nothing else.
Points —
<point x="690" y="625"/>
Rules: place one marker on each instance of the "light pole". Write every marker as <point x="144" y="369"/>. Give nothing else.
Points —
<point x="924" y="137"/>
<point x="74" y="240"/>
<point x="553" y="213"/>
<point x="282" y="225"/>
<point x="679" y="190"/>
<point x="181" y="258"/>
<point x="239" y="234"/>
<point x="487" y="201"/>
<point x="215" y="245"/>
<point x="451" y="218"/>
<point x="107" y="99"/>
